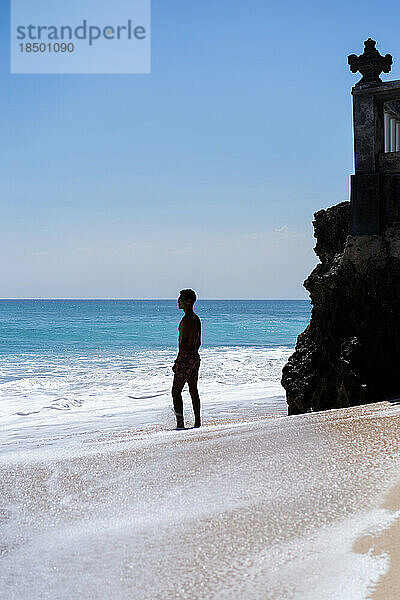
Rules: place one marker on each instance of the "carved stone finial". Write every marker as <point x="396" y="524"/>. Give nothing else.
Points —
<point x="370" y="64"/>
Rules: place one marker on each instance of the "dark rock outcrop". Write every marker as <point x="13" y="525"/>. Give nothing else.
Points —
<point x="350" y="352"/>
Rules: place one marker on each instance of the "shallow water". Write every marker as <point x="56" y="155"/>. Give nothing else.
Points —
<point x="74" y="366"/>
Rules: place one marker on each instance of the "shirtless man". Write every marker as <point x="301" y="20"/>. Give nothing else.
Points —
<point x="186" y="366"/>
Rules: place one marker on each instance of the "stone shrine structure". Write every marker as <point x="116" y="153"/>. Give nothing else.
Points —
<point x="375" y="186"/>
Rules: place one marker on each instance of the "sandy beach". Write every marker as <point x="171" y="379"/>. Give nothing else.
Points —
<point x="296" y="507"/>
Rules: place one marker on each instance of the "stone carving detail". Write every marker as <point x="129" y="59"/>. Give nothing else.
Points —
<point x="370" y="64"/>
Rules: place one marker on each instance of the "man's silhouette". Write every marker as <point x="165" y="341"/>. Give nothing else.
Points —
<point x="186" y="366"/>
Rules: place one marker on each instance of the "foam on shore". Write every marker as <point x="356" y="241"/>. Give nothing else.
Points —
<point x="46" y="396"/>
<point x="266" y="509"/>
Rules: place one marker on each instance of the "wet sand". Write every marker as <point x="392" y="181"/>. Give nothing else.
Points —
<point x="386" y="542"/>
<point x="298" y="507"/>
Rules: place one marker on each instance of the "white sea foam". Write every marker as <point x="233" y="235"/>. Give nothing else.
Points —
<point x="266" y="510"/>
<point x="41" y="394"/>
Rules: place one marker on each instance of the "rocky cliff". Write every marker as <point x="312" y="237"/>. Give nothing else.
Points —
<point x="350" y="352"/>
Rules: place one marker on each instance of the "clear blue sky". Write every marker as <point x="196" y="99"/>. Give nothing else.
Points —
<point x="205" y="173"/>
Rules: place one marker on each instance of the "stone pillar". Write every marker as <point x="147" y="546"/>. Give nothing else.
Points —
<point x="368" y="145"/>
<point x="368" y="139"/>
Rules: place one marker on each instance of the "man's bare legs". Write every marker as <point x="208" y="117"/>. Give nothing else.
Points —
<point x="194" y="394"/>
<point x="177" y="388"/>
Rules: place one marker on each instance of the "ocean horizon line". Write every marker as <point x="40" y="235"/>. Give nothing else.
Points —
<point x="141" y="299"/>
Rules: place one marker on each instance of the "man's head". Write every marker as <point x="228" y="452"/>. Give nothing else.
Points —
<point x="186" y="299"/>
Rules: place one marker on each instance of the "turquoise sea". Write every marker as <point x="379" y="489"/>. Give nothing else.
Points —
<point x="78" y="364"/>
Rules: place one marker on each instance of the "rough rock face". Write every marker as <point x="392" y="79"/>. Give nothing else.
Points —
<point x="350" y="352"/>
